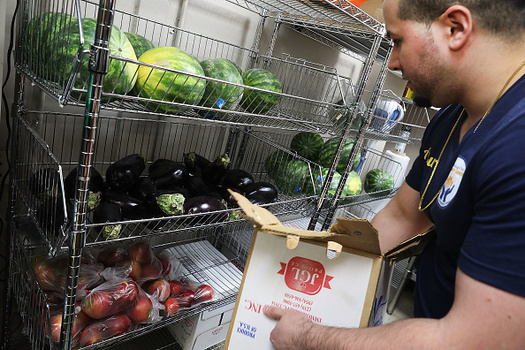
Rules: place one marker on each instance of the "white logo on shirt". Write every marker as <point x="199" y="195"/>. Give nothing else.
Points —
<point x="451" y="186"/>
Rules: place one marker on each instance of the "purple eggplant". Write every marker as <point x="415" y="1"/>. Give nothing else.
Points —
<point x="166" y="173"/>
<point x="216" y="170"/>
<point x="236" y="179"/>
<point x="108" y="212"/>
<point x="265" y="189"/>
<point x="205" y="204"/>
<point x="195" y="162"/>
<point x="130" y="206"/>
<point x="124" y="173"/>
<point x="95" y="186"/>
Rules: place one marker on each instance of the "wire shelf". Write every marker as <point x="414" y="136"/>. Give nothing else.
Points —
<point x="201" y="262"/>
<point x="309" y="89"/>
<point x="48" y="154"/>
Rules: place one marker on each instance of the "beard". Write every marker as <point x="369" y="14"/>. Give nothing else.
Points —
<point x="422" y="101"/>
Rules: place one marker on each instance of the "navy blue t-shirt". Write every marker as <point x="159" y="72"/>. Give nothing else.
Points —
<point x="479" y="214"/>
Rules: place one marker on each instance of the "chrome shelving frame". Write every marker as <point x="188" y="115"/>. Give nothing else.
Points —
<point x="109" y="124"/>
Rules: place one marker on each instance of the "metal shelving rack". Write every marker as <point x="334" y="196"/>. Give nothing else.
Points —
<point x="110" y="124"/>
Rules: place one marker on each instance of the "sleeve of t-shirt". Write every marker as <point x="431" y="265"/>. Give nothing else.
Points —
<point x="494" y="248"/>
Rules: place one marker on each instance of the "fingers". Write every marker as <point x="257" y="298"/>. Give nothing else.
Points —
<point x="273" y="312"/>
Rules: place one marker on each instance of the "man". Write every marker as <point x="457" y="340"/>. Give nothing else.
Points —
<point x="468" y="181"/>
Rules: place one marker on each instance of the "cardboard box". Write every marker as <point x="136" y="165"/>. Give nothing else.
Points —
<point x="337" y="278"/>
<point x="204" y="330"/>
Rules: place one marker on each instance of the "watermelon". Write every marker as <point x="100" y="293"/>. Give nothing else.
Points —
<point x="120" y="77"/>
<point x="307" y="145"/>
<point x="220" y="95"/>
<point x="39" y="36"/>
<point x="378" y="183"/>
<point x="260" y="102"/>
<point x="140" y="44"/>
<point x="294" y="178"/>
<point x="163" y="85"/>
<point x="328" y="150"/>
<point x="352" y="186"/>
<point x="275" y="162"/>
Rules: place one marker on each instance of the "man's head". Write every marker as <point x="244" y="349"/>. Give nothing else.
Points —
<point x="439" y="44"/>
<point x="505" y="18"/>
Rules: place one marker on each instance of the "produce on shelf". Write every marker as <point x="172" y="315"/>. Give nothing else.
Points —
<point x="95" y="187"/>
<point x="179" y="84"/>
<point x="260" y="102"/>
<point x="110" y="298"/>
<point x="221" y="95"/>
<point x="51" y="215"/>
<point x="203" y="205"/>
<point x="307" y="145"/>
<point x="125" y="172"/>
<point x="121" y="75"/>
<point x="145" y="265"/>
<point x="160" y="288"/>
<point x="352" y="187"/>
<point x="38" y="39"/>
<point x="139" y="43"/>
<point x="263" y="192"/>
<point x="105" y="329"/>
<point x="275" y="161"/>
<point x="378" y="183"/>
<point x="237" y="179"/>
<point x="328" y="150"/>
<point x="110" y="213"/>
<point x="80" y="321"/>
<point x="294" y="178"/>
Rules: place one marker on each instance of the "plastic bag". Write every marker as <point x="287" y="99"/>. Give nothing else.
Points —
<point x="105" y="329"/>
<point x="80" y="321"/>
<point x="145" y="309"/>
<point x="186" y="294"/>
<point x="110" y="298"/>
<point x="52" y="274"/>
<point x="145" y="265"/>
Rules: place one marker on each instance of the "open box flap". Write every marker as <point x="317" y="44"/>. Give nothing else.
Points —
<point x="410" y="247"/>
<point x="356" y="233"/>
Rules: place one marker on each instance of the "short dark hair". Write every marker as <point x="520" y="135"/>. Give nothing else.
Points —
<point x="500" y="17"/>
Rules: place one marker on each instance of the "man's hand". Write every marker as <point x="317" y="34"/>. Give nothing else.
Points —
<point x="291" y="329"/>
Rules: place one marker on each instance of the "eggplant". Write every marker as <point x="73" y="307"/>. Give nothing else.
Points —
<point x="216" y="170"/>
<point x="205" y="204"/>
<point x="131" y="207"/>
<point x="45" y="183"/>
<point x="50" y="215"/>
<point x="171" y="203"/>
<point x="95" y="186"/>
<point x="227" y="197"/>
<point x="143" y="189"/>
<point x="194" y="183"/>
<point x="265" y="189"/>
<point x="236" y="179"/>
<point x="166" y="173"/>
<point x="195" y="162"/>
<point x="257" y="199"/>
<point x="124" y="173"/>
<point x="108" y="212"/>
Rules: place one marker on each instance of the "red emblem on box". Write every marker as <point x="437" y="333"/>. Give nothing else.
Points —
<point x="305" y="275"/>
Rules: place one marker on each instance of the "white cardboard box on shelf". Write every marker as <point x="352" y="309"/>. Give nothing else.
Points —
<point x="337" y="278"/>
<point x="204" y="330"/>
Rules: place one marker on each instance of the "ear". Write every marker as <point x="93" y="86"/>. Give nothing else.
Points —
<point x="458" y="23"/>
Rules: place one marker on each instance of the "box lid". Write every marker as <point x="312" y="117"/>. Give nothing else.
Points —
<point x="358" y="234"/>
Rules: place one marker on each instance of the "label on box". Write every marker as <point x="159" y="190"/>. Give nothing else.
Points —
<point x="336" y="292"/>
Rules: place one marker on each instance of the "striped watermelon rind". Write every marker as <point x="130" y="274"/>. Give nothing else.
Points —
<point x="121" y="76"/>
<point x="170" y="87"/>
<point x="39" y="37"/>
<point x="294" y="178"/>
<point x="378" y="183"/>
<point x="221" y="95"/>
<point x="327" y="152"/>
<point x="275" y="162"/>
<point x="259" y="102"/>
<point x="139" y="43"/>
<point x="307" y="145"/>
